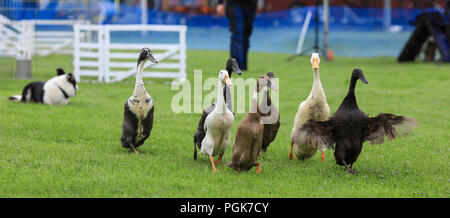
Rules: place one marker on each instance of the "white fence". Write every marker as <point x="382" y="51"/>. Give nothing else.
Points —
<point x="56" y="40"/>
<point x="9" y="34"/>
<point x="36" y="37"/>
<point x="95" y="54"/>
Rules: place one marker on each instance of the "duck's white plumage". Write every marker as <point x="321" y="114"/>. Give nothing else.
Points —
<point x="218" y="124"/>
<point x="141" y="110"/>
<point x="140" y="102"/>
<point x="314" y="107"/>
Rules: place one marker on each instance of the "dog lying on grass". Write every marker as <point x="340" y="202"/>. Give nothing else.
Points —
<point x="56" y="91"/>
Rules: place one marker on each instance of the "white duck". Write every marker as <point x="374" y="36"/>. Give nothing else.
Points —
<point x="314" y="107"/>
<point x="218" y="124"/>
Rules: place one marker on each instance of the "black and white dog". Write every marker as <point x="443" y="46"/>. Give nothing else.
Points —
<point x="55" y="91"/>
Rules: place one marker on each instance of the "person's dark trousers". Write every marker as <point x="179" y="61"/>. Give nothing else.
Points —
<point x="241" y="25"/>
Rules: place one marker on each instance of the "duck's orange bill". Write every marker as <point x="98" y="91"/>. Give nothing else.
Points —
<point x="322" y="156"/>
<point x="315" y="63"/>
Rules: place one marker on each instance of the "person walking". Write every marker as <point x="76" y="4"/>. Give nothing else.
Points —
<point x="240" y="14"/>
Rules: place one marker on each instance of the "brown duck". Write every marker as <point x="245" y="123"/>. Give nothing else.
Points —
<point x="270" y="116"/>
<point x="249" y="134"/>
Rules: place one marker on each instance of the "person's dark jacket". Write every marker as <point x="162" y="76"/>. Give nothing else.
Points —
<point x="249" y="4"/>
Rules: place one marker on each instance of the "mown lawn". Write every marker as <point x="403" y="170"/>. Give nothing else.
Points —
<point x="74" y="150"/>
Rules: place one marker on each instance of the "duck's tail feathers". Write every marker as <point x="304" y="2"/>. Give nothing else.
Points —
<point x="15" y="98"/>
<point x="302" y="154"/>
<point x="316" y="134"/>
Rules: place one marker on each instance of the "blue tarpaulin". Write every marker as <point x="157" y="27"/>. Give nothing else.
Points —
<point x="353" y="31"/>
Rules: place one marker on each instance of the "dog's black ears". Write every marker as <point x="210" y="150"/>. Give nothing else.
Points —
<point x="71" y="78"/>
<point x="60" y="71"/>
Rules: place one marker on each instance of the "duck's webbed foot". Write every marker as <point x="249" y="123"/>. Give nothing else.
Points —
<point x="212" y="163"/>
<point x="349" y="169"/>
<point x="133" y="149"/>
<point x="291" y="155"/>
<point x="219" y="159"/>
<point x="258" y="170"/>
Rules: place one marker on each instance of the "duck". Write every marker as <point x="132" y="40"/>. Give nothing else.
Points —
<point x="314" y="107"/>
<point x="348" y="128"/>
<point x="249" y="134"/>
<point x="270" y="116"/>
<point x="199" y="135"/>
<point x="218" y="124"/>
<point x="138" y="109"/>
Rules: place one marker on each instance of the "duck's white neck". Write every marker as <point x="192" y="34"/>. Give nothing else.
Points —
<point x="316" y="77"/>
<point x="139" y="88"/>
<point x="220" y="104"/>
<point x="317" y="85"/>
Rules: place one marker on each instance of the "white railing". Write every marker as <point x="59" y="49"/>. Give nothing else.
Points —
<point x="54" y="41"/>
<point x="87" y="48"/>
<point x="9" y="35"/>
<point x="111" y="62"/>
<point x="25" y="40"/>
<point x="18" y="36"/>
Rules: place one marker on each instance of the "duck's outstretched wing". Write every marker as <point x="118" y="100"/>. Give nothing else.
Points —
<point x="316" y="133"/>
<point x="388" y="125"/>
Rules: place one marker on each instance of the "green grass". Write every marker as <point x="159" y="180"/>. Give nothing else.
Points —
<point x="74" y="150"/>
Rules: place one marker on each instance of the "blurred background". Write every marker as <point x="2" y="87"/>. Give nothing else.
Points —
<point x="357" y="28"/>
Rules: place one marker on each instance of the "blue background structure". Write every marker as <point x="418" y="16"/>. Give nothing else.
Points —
<point x="353" y="31"/>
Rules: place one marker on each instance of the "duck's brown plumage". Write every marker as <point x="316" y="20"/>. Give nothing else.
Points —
<point x="270" y="118"/>
<point x="247" y="144"/>
<point x="249" y="135"/>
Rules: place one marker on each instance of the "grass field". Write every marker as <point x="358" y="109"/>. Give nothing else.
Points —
<point x="74" y="150"/>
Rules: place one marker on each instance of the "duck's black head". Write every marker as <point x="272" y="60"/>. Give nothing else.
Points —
<point x="358" y="74"/>
<point x="232" y="66"/>
<point x="146" y="54"/>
